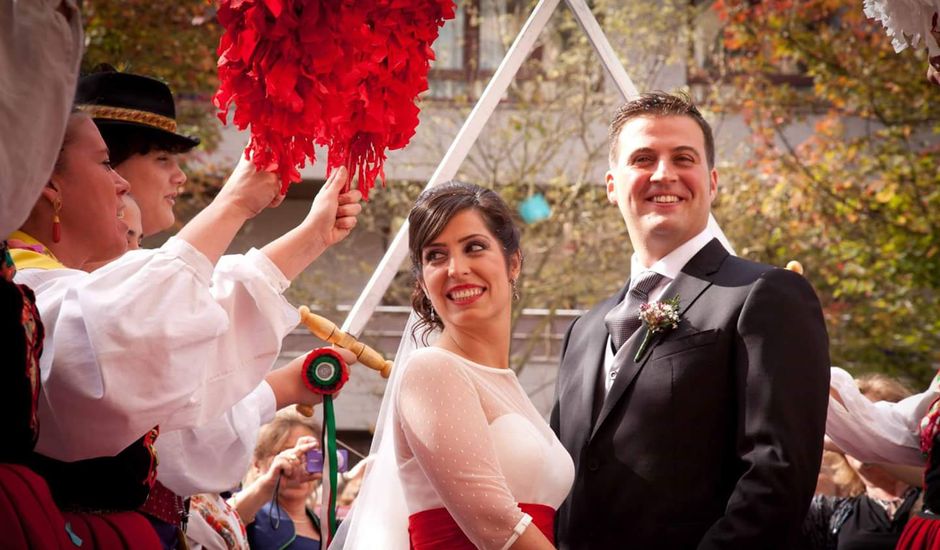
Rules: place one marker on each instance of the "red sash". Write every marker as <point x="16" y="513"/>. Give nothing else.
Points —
<point x="436" y="529"/>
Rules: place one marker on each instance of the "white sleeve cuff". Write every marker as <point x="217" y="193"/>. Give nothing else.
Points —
<point x="267" y="403"/>
<point x="270" y="271"/>
<point x="518" y="530"/>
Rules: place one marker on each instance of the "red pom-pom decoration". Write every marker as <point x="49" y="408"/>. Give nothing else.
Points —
<point x="343" y="74"/>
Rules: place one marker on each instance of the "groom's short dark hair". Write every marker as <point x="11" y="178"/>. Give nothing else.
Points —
<point x="659" y="104"/>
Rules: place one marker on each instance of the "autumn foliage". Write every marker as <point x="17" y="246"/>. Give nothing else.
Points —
<point x="843" y="171"/>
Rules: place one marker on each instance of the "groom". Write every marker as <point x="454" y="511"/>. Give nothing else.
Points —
<point x="710" y="435"/>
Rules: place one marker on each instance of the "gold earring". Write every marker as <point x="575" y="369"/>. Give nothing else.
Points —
<point x="56" y="222"/>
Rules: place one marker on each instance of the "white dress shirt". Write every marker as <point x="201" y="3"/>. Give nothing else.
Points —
<point x="156" y="337"/>
<point x="669" y="267"/>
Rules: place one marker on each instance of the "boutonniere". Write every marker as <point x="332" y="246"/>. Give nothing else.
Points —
<point x="657" y="317"/>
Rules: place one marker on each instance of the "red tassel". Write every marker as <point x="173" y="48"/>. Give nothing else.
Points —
<point x="344" y="75"/>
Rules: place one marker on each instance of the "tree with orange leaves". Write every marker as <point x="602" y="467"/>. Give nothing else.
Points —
<point x="842" y="171"/>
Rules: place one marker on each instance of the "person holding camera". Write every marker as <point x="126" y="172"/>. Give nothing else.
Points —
<point x="273" y="501"/>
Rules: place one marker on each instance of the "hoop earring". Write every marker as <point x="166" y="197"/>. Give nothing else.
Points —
<point x="515" y="290"/>
<point x="56" y="222"/>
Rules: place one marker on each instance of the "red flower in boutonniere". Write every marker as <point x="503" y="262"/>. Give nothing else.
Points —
<point x="657" y="317"/>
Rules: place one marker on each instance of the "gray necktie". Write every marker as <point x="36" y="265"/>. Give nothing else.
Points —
<point x="623" y="320"/>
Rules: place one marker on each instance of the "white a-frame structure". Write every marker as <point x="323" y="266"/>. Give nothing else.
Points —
<point x="470" y="131"/>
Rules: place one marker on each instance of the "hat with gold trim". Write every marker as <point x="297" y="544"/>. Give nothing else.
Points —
<point x="113" y="98"/>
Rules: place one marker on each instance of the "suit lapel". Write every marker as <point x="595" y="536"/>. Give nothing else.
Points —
<point x="689" y="286"/>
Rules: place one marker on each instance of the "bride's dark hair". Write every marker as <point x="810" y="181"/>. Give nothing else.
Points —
<point x="432" y="212"/>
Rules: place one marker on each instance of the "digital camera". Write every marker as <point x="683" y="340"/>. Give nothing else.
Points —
<point x="315" y="461"/>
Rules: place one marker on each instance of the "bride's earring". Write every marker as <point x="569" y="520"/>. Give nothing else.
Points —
<point x="515" y="290"/>
<point x="432" y="315"/>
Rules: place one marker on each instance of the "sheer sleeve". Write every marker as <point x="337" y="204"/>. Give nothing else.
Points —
<point x="156" y="337"/>
<point x="876" y="432"/>
<point x="446" y="430"/>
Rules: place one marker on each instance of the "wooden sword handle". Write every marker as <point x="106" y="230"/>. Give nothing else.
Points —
<point x="325" y="329"/>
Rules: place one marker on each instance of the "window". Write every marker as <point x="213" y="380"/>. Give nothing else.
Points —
<point x="711" y="62"/>
<point x="471" y="46"/>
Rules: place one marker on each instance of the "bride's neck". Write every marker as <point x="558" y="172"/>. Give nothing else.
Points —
<point x="487" y="345"/>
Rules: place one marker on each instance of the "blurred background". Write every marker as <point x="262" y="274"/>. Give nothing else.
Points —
<point x="828" y="144"/>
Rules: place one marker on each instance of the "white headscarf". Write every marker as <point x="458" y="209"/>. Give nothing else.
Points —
<point x="40" y="52"/>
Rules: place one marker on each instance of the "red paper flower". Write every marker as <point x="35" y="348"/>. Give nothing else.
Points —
<point x="343" y="74"/>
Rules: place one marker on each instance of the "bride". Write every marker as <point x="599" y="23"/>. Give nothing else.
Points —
<point x="464" y="459"/>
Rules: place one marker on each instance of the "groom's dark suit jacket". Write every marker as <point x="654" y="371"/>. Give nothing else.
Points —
<point x="714" y="438"/>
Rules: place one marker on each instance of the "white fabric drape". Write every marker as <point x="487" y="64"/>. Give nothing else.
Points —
<point x="907" y="22"/>
<point x="378" y="518"/>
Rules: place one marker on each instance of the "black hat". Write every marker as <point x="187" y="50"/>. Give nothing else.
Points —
<point x="115" y="99"/>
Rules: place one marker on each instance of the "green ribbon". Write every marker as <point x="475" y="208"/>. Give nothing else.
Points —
<point x="329" y="454"/>
<point x="325" y="373"/>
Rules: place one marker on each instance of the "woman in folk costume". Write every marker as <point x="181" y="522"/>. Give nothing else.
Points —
<point x="136" y="117"/>
<point x="463" y="458"/>
<point x="904" y="433"/>
<point x="125" y="346"/>
<point x="40" y="50"/>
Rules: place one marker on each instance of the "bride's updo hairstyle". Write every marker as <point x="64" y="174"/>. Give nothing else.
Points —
<point x="432" y="212"/>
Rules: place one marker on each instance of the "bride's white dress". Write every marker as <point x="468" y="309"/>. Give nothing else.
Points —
<point x="469" y="440"/>
<point x="455" y="435"/>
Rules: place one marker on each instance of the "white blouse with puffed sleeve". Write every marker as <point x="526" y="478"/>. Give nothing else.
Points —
<point x="157" y="337"/>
